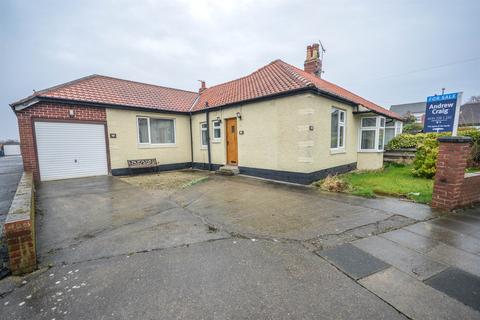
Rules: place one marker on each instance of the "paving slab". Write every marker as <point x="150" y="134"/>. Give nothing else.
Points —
<point x="447" y="236"/>
<point x="455" y="225"/>
<point x="353" y="261"/>
<point x="458" y="284"/>
<point x="406" y="260"/>
<point x="224" y="279"/>
<point x="415" y="299"/>
<point x="411" y="240"/>
<point x="472" y="221"/>
<point x="456" y="258"/>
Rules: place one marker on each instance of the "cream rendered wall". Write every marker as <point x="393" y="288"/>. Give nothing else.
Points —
<point x="370" y="160"/>
<point x="277" y="136"/>
<point x="125" y="146"/>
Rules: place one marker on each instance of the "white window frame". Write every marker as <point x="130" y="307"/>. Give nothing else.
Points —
<point x="202" y="129"/>
<point x="149" y="143"/>
<point x="377" y="128"/>
<point x="216" y="125"/>
<point x="398" y="127"/>
<point x="341" y="126"/>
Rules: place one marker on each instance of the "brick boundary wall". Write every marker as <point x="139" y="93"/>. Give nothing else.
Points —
<point x="53" y="111"/>
<point x="20" y="228"/>
<point x="453" y="188"/>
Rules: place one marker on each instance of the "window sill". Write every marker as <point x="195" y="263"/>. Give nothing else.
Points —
<point x="337" y="151"/>
<point x="370" y="151"/>
<point x="156" y="146"/>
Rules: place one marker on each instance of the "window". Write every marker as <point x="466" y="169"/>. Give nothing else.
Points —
<point x="217" y="132"/>
<point x="143" y="130"/>
<point x="337" y="133"/>
<point x="392" y="129"/>
<point x="204" y="134"/>
<point x="372" y="134"/>
<point x="156" y="131"/>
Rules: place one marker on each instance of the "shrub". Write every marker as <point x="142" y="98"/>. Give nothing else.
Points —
<point x="333" y="184"/>
<point x="406" y="140"/>
<point x="424" y="164"/>
<point x="427" y="149"/>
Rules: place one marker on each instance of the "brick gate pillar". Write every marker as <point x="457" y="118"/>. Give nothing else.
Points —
<point x="449" y="178"/>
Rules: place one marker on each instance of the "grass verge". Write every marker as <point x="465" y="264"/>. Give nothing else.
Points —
<point x="394" y="180"/>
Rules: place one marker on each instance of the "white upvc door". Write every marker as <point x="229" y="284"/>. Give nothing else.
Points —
<point x="70" y="150"/>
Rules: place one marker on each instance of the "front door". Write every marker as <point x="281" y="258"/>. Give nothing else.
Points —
<point x="232" y="145"/>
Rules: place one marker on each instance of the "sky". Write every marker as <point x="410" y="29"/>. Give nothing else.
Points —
<point x="389" y="52"/>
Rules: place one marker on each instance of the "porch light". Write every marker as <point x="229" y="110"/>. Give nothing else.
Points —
<point x="218" y="119"/>
<point x="71" y="113"/>
<point x="239" y="116"/>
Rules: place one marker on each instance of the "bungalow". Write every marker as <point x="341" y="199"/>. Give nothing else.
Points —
<point x="279" y="122"/>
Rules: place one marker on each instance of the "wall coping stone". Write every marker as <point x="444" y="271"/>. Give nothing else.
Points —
<point x="449" y="139"/>
<point x="20" y="208"/>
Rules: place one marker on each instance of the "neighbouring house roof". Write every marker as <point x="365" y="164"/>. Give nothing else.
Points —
<point x="113" y="91"/>
<point x="414" y="107"/>
<point x="276" y="78"/>
<point x="273" y="79"/>
<point x="470" y="114"/>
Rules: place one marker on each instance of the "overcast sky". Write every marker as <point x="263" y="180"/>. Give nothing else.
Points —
<point x="387" y="51"/>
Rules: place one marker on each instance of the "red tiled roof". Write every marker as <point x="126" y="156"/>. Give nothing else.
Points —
<point x="107" y="90"/>
<point x="274" y="78"/>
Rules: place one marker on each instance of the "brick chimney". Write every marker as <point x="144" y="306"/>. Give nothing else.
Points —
<point x="313" y="63"/>
<point x="203" y="86"/>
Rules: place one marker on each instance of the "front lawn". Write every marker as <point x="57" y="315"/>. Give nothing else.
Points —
<point x="394" y="180"/>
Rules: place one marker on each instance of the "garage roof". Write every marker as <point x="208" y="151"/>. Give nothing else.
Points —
<point x="113" y="91"/>
<point x="273" y="79"/>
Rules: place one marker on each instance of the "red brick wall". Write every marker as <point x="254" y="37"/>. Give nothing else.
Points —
<point x="48" y="111"/>
<point x="470" y="192"/>
<point x="452" y="188"/>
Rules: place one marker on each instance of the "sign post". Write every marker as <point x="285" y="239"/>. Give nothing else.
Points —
<point x="442" y="113"/>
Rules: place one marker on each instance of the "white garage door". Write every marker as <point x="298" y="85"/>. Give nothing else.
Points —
<point x="11" y="150"/>
<point x="70" y="150"/>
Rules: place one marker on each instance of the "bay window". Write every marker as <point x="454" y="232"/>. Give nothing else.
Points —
<point x="372" y="134"/>
<point x="337" y="129"/>
<point x="156" y="131"/>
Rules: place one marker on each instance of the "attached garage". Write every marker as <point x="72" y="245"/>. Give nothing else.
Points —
<point x="70" y="149"/>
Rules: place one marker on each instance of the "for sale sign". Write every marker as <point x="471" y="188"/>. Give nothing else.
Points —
<point x="441" y="114"/>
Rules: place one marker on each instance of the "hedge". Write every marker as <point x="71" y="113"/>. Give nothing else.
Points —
<point x="407" y="140"/>
<point x="427" y="149"/>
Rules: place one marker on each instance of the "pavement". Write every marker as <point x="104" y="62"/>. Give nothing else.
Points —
<point x="241" y="248"/>
<point x="11" y="169"/>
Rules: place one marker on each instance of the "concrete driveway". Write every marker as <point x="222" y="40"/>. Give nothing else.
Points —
<point x="213" y="247"/>
<point x="91" y="218"/>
